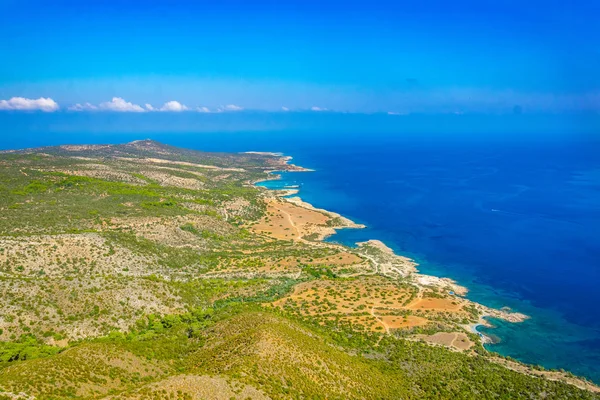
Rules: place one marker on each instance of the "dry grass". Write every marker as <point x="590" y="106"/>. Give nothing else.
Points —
<point x="193" y="387"/>
<point x="85" y="371"/>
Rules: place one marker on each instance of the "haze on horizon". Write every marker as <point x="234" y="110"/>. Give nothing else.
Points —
<point x="375" y="57"/>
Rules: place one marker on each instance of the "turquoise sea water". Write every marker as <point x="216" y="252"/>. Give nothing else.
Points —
<point x="516" y="220"/>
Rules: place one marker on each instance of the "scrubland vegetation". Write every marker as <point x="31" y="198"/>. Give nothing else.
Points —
<point x="142" y="271"/>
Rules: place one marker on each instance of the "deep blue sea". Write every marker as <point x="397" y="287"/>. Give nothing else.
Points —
<point x="515" y="219"/>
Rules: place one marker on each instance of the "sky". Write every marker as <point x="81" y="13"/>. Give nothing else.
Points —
<point x="391" y="57"/>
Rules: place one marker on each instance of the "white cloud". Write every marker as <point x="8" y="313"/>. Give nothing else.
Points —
<point x="230" y="107"/>
<point x="314" y="108"/>
<point x="397" y="113"/>
<point x="285" y="109"/>
<point x="83" y="107"/>
<point x="173" y="106"/>
<point x="120" y="105"/>
<point x="22" y="104"/>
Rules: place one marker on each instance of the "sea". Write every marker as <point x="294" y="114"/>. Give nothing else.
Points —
<point x="514" y="218"/>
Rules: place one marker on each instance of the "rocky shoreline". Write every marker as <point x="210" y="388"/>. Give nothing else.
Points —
<point x="391" y="263"/>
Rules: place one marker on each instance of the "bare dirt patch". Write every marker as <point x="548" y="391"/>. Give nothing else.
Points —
<point x="456" y="340"/>
<point x="436" y="304"/>
<point x="399" y="322"/>
<point x="287" y="221"/>
<point x="373" y="302"/>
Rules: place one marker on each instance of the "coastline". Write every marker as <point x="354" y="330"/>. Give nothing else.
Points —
<point x="394" y="263"/>
<point x="409" y="269"/>
<point x="363" y="285"/>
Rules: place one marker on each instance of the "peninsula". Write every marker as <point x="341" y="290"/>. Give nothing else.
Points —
<point x="146" y="271"/>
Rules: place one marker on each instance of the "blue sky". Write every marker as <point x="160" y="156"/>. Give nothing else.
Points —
<point x="353" y="56"/>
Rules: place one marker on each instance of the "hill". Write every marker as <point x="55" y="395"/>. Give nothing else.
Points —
<point x="143" y="270"/>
